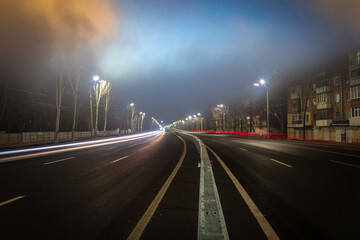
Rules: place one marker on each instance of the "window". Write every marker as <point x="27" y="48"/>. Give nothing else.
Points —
<point x="337" y="97"/>
<point x="354" y="92"/>
<point x="347" y="78"/>
<point x="348" y="115"/>
<point x="323" y="98"/>
<point x="336" y="80"/>
<point x="347" y="95"/>
<point x="322" y="115"/>
<point x="337" y="116"/>
<point x="307" y="117"/>
<point x="296" y="117"/>
<point x="355" y="112"/>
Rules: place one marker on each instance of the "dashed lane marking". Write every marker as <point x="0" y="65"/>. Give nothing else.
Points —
<point x="348" y="164"/>
<point x="119" y="159"/>
<point x="243" y="149"/>
<point x="280" y="162"/>
<point x="60" y="160"/>
<point x="11" y="200"/>
<point x="110" y="148"/>
<point x="264" y="224"/>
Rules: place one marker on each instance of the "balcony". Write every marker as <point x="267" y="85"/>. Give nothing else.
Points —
<point x="354" y="121"/>
<point x="354" y="81"/>
<point x="323" y="106"/>
<point x="322" y="89"/>
<point x="323" y="123"/>
<point x="295" y="95"/>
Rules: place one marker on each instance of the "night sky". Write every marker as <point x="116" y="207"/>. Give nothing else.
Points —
<point x="174" y="57"/>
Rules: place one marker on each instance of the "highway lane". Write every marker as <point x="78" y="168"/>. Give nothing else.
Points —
<point x="94" y="193"/>
<point x="305" y="190"/>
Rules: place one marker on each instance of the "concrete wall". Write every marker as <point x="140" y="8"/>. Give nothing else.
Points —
<point x="7" y="139"/>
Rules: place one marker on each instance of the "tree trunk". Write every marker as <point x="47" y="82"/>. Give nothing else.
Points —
<point x="91" y="116"/>
<point x="75" y="92"/>
<point x="60" y="86"/>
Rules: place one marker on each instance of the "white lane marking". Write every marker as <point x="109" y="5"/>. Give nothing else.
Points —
<point x="243" y="149"/>
<point x="141" y="225"/>
<point x="264" y="224"/>
<point x="119" y="159"/>
<point x="11" y="200"/>
<point x="280" y="162"/>
<point x="110" y="148"/>
<point x="352" y="165"/>
<point x="60" y="160"/>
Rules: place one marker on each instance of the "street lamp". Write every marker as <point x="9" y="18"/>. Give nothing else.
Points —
<point x="262" y="82"/>
<point x="132" y="105"/>
<point x="96" y="78"/>
<point x="142" y="120"/>
<point x="223" y="110"/>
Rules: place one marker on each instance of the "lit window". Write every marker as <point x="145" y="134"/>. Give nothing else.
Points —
<point x="337" y="97"/>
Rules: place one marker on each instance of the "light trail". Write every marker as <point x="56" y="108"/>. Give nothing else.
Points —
<point x="73" y="146"/>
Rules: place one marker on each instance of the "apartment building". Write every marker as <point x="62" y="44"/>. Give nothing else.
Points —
<point x="326" y="98"/>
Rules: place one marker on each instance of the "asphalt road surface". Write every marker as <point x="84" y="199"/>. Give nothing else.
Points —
<point x="103" y="190"/>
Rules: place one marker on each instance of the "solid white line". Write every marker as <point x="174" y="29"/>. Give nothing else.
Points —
<point x="141" y="225"/>
<point x="264" y="224"/>
<point x="352" y="165"/>
<point x="58" y="160"/>
<point x="280" y="162"/>
<point x="119" y="159"/>
<point x="243" y="149"/>
<point x="11" y="200"/>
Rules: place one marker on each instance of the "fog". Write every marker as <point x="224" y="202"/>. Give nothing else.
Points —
<point x="173" y="57"/>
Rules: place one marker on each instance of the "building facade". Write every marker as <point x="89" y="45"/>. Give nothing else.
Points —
<point x="327" y="102"/>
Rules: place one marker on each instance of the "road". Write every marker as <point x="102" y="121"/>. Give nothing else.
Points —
<point x="306" y="190"/>
<point x="104" y="190"/>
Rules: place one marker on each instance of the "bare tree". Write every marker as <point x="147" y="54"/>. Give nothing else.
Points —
<point x="108" y="98"/>
<point x="277" y="112"/>
<point x="91" y="115"/>
<point x="308" y="82"/>
<point x="74" y="84"/>
<point x="60" y="88"/>
<point x="100" y="89"/>
<point x="3" y="103"/>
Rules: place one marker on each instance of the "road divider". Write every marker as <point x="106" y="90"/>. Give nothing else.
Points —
<point x="211" y="221"/>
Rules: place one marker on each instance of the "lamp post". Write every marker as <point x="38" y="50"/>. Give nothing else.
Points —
<point x="223" y="110"/>
<point x="263" y="83"/>
<point x="132" y="106"/>
<point x="142" y="121"/>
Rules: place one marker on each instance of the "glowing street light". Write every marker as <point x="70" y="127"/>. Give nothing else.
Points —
<point x="262" y="82"/>
<point x="199" y="114"/>
<point x="96" y="78"/>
